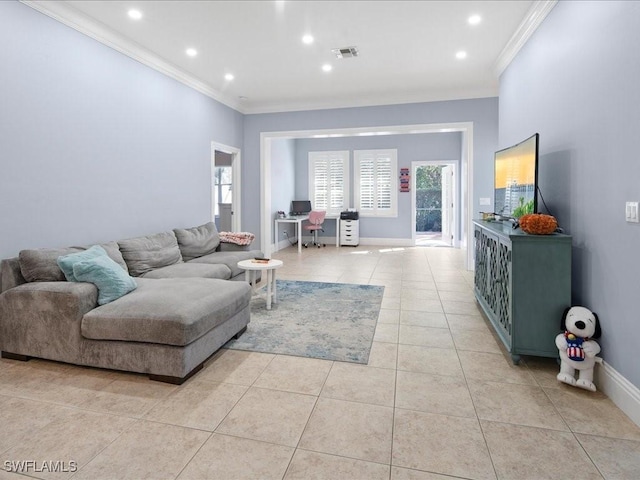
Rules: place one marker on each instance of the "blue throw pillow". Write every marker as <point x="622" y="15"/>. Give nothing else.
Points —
<point x="66" y="262"/>
<point x="112" y="281"/>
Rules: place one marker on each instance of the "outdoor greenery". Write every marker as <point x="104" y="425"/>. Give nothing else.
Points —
<point x="429" y="199"/>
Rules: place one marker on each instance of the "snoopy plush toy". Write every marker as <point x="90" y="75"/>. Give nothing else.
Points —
<point x="577" y="349"/>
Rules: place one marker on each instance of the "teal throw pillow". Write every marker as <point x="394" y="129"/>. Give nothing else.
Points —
<point x="66" y="262"/>
<point x="112" y="281"/>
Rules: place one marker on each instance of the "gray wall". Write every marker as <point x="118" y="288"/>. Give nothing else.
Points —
<point x="95" y="146"/>
<point x="415" y="147"/>
<point x="576" y="83"/>
<point x="283" y="173"/>
<point x="283" y="170"/>
<point x="482" y="112"/>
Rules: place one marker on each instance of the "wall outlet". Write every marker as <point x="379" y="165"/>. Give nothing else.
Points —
<point x="485" y="201"/>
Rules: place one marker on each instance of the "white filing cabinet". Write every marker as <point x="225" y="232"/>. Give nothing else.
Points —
<point x="350" y="232"/>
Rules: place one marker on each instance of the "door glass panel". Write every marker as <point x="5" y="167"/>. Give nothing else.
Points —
<point x="428" y="199"/>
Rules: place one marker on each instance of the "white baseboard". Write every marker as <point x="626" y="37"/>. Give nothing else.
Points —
<point x="281" y="244"/>
<point x="331" y="240"/>
<point x="620" y="390"/>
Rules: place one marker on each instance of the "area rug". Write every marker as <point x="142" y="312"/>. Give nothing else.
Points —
<point x="332" y="321"/>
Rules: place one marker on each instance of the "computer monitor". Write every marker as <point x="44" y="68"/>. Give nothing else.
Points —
<point x="300" y="207"/>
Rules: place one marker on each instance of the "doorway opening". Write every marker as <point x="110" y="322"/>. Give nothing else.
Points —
<point x="435" y="206"/>
<point x="222" y="192"/>
<point x="464" y="227"/>
<point x="225" y="188"/>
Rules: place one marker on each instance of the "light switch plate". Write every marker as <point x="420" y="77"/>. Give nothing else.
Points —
<point x="485" y="201"/>
<point x="631" y="212"/>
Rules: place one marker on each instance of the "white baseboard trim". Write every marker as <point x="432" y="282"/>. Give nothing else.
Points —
<point x="281" y="244"/>
<point x="331" y="240"/>
<point x="620" y="390"/>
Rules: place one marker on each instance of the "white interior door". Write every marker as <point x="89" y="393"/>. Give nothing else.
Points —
<point x="447" y="204"/>
<point x="226" y="184"/>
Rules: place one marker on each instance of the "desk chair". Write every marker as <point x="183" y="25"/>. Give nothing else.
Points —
<point x="316" y="219"/>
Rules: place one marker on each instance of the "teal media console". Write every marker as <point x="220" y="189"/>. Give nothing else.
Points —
<point x="523" y="284"/>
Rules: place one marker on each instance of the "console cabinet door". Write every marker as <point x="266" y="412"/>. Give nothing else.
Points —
<point x="486" y="250"/>
<point x="503" y="288"/>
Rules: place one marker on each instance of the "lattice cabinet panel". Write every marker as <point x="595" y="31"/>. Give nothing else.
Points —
<point x="502" y="283"/>
<point x="523" y="284"/>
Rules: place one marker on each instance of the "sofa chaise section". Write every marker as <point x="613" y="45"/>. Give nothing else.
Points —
<point x="165" y="328"/>
<point x="177" y="316"/>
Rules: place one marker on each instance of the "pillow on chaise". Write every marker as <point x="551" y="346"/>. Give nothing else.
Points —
<point x="112" y="281"/>
<point x="66" y="262"/>
<point x="197" y="241"/>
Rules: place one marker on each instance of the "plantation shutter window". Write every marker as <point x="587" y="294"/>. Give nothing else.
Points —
<point x="329" y="181"/>
<point x="376" y="182"/>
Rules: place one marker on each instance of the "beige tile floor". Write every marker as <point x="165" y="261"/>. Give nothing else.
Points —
<point x="438" y="400"/>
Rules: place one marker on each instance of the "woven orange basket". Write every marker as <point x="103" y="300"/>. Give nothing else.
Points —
<point x="538" y="224"/>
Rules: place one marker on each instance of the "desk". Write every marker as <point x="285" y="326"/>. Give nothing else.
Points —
<point x="297" y="220"/>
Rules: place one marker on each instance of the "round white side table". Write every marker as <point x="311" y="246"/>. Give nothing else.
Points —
<point x="250" y="268"/>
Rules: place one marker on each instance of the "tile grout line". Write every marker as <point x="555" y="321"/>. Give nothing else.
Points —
<point x="306" y="425"/>
<point x="475" y="409"/>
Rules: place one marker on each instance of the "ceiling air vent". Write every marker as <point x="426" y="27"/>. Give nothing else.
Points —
<point x="346" y="52"/>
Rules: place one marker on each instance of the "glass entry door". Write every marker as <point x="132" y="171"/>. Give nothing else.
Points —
<point x="435" y="207"/>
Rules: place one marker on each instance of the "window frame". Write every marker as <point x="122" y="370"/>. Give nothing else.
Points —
<point x="392" y="154"/>
<point x="325" y="156"/>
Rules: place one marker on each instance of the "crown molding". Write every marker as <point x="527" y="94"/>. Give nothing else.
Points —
<point x="372" y="101"/>
<point x="535" y="16"/>
<point x="72" y="17"/>
<point x="84" y="24"/>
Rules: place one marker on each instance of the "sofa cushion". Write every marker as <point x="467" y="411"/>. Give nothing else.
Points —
<point x="230" y="259"/>
<point x="197" y="241"/>
<point x="113" y="250"/>
<point x="112" y="281"/>
<point x="169" y="311"/>
<point x="143" y="254"/>
<point x="186" y="270"/>
<point x="41" y="264"/>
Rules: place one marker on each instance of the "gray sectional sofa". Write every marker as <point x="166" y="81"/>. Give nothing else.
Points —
<point x="183" y="309"/>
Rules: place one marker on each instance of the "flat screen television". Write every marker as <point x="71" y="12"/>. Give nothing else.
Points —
<point x="516" y="179"/>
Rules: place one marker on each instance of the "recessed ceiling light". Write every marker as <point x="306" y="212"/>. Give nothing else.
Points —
<point x="307" y="39"/>
<point x="135" y="14"/>
<point x="229" y="77"/>
<point x="461" y="54"/>
<point x="326" y="67"/>
<point x="474" y="19"/>
<point x="192" y="52"/>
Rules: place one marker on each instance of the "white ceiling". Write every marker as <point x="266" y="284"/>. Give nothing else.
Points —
<point x="407" y="48"/>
